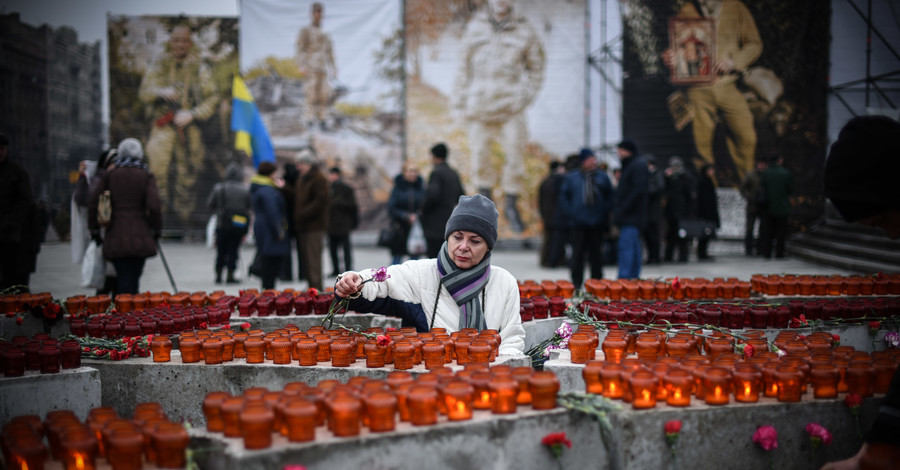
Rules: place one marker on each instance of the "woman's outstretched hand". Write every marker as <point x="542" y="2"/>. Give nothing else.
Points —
<point x="348" y="285"/>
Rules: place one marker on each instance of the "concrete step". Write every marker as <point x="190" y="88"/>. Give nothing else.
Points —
<point x="856" y="249"/>
<point x="843" y="261"/>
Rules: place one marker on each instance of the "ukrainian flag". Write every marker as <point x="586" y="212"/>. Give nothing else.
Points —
<point x="252" y="136"/>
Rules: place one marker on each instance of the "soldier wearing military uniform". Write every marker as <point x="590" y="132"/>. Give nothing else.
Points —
<point x="315" y="60"/>
<point x="179" y="92"/>
<point x="501" y="73"/>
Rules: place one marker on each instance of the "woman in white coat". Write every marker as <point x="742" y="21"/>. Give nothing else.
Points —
<point x="458" y="289"/>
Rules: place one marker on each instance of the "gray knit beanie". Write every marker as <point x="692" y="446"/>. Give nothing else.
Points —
<point x="474" y="214"/>
<point x="131" y="149"/>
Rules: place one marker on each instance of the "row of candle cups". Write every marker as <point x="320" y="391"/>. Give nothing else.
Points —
<point x="406" y="348"/>
<point x="344" y="409"/>
<point x="40" y="353"/>
<point x="835" y="284"/>
<point x="715" y="377"/>
<point x="124" y="444"/>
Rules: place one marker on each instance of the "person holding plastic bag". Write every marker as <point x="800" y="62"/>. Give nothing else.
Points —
<point x="405" y="207"/>
<point x="136" y="219"/>
<point x="230" y="201"/>
<point x="96" y="272"/>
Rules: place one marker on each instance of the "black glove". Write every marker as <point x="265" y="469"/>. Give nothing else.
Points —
<point x="95" y="236"/>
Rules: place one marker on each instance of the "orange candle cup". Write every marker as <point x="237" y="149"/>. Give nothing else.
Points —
<point x="170" y="440"/>
<point x="212" y="410"/>
<point x="644" y="386"/>
<point x="611" y="378"/>
<point x="860" y="378"/>
<point x="422" y="403"/>
<point x="717" y="385"/>
<point x="190" y="350"/>
<point x="580" y="346"/>
<point x="404" y="354"/>
<point x="161" y="348"/>
<point x="544" y="389"/>
<point x="746" y="382"/>
<point x="343" y="353"/>
<point x="824" y="378"/>
<point x="255" y="348"/>
<point x="212" y="351"/>
<point x="504" y="390"/>
<point x="790" y="383"/>
<point x="381" y="410"/>
<point x="458" y="396"/>
<point x="344" y="417"/>
<point x="231" y="416"/>
<point x="281" y="350"/>
<point x="307" y="351"/>
<point x="433" y="354"/>
<point x="257" y="424"/>
<point x="679" y="385"/>
<point x="300" y="417"/>
<point x="125" y="449"/>
<point x="593" y="382"/>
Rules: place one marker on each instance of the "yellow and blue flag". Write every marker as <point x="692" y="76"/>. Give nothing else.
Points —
<point x="251" y="134"/>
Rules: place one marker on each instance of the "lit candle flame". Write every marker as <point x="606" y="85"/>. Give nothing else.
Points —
<point x="612" y="387"/>
<point x="460" y="406"/>
<point x="485" y="397"/>
<point x="646" y="394"/>
<point x="774" y="388"/>
<point x="677" y="394"/>
<point x="79" y="461"/>
<point x="718" y="392"/>
<point x="746" y="389"/>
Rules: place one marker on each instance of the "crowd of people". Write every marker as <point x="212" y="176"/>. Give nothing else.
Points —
<point x="624" y="216"/>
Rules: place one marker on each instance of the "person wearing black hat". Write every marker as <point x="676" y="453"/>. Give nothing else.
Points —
<point x="443" y="190"/>
<point x="459" y="289"/>
<point x="586" y="197"/>
<point x="630" y="213"/>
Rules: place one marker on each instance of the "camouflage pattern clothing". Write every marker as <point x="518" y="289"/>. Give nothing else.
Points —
<point x="501" y="73"/>
<point x="168" y="145"/>
<point x="315" y="57"/>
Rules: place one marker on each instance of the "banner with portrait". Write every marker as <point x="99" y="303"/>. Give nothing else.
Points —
<point x="503" y="84"/>
<point x="327" y="76"/>
<point x="729" y="83"/>
<point x="170" y="86"/>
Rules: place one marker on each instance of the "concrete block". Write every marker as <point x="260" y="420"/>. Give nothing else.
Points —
<point x="34" y="393"/>
<point x="32" y="325"/>
<point x="485" y="442"/>
<point x="180" y="388"/>
<point x="540" y="330"/>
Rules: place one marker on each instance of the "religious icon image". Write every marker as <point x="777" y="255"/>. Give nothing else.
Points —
<point x="694" y="49"/>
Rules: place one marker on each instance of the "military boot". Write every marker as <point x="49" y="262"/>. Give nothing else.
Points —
<point x="231" y="279"/>
<point x="218" y="275"/>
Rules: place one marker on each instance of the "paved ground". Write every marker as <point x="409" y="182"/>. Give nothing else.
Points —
<point x="192" y="267"/>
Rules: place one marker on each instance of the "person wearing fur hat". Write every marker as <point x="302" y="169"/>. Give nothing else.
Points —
<point x="458" y="289"/>
<point x="136" y="221"/>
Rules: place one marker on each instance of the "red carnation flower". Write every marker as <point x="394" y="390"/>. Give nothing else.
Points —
<point x="853" y="401"/>
<point x="766" y="437"/>
<point x="835" y="340"/>
<point x="748" y="351"/>
<point x="245" y="326"/>
<point x="383" y="341"/>
<point x="555" y="442"/>
<point x="19" y="320"/>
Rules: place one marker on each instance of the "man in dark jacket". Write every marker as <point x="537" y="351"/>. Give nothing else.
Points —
<point x="342" y="219"/>
<point x="778" y="186"/>
<point x="707" y="207"/>
<point x="630" y="212"/>
<point x="656" y="189"/>
<point x="586" y="197"/>
<point x="230" y="200"/>
<point x="680" y="196"/>
<point x="751" y="188"/>
<point x="443" y="191"/>
<point x="548" y="197"/>
<point x="269" y="225"/>
<point x="16" y="206"/>
<point x="311" y="203"/>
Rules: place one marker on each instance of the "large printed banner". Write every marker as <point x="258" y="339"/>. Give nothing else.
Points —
<point x="730" y="82"/>
<point x="170" y="87"/>
<point x="502" y="83"/>
<point x="328" y="77"/>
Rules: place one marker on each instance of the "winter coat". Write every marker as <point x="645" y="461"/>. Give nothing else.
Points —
<point x="656" y="190"/>
<point x="269" y="217"/>
<point x="778" y="184"/>
<point x="410" y="291"/>
<point x="750" y="189"/>
<point x="632" y="194"/>
<point x="441" y="195"/>
<point x="679" y="196"/>
<point x="15" y="201"/>
<point x="311" y="201"/>
<point x="707" y="200"/>
<point x="344" y="211"/>
<point x="136" y="213"/>
<point x="548" y="199"/>
<point x="574" y="206"/>
<point x="406" y="198"/>
<point x="230" y="197"/>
